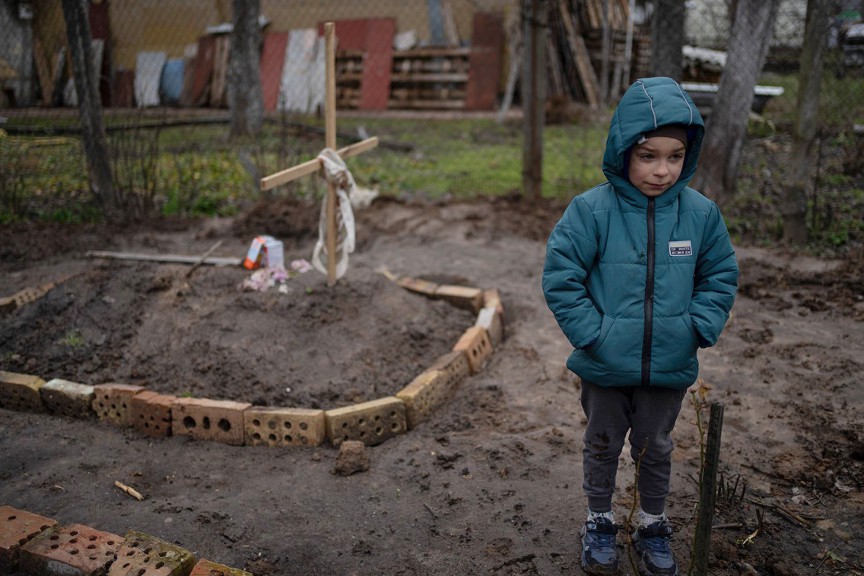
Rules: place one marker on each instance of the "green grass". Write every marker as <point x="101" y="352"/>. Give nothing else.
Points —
<point x="197" y="170"/>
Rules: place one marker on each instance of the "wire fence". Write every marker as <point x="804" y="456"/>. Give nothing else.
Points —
<point x="436" y="80"/>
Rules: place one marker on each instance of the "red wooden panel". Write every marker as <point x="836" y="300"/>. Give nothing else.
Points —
<point x="203" y="70"/>
<point x="272" y="61"/>
<point x="100" y="28"/>
<point x="484" y="64"/>
<point x="350" y="34"/>
<point x="378" y="64"/>
<point x="123" y="95"/>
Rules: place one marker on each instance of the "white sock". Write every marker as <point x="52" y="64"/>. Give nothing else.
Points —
<point x="608" y="515"/>
<point x="646" y="519"/>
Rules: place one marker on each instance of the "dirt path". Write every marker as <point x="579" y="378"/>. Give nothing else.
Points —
<point x="491" y="483"/>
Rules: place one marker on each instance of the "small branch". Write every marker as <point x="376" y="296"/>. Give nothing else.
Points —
<point x="128" y="490"/>
<point x="203" y="257"/>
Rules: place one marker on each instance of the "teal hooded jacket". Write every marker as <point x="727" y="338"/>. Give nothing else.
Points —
<point x="639" y="284"/>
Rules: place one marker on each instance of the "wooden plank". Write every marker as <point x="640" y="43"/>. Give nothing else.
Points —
<point x="165" y="258"/>
<point x="378" y="64"/>
<point x="220" y="71"/>
<point x="43" y="71"/>
<point x="200" y="89"/>
<point x="311" y="166"/>
<point x="272" y="61"/>
<point x="484" y="68"/>
<point x="451" y="33"/>
<point x="431" y="53"/>
<point x="587" y="76"/>
<point x="430" y="77"/>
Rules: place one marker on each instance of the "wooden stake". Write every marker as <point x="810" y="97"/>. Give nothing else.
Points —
<point x="330" y="142"/>
<point x="708" y="491"/>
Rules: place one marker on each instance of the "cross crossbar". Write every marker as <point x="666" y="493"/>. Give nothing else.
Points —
<point x="311" y="166"/>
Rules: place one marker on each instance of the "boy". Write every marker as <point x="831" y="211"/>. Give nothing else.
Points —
<point x="640" y="273"/>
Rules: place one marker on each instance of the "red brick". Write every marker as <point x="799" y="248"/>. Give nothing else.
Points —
<point x="145" y="555"/>
<point x="476" y="345"/>
<point x="17" y="527"/>
<point x="151" y="413"/>
<point x="21" y="392"/>
<point x="70" y="550"/>
<point x="113" y="401"/>
<point x="208" y="568"/>
<point x="204" y="419"/>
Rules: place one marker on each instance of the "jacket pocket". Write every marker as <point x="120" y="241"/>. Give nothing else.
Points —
<point x="674" y="344"/>
<point x="618" y="349"/>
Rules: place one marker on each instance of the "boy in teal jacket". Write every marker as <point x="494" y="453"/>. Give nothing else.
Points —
<point x="640" y="273"/>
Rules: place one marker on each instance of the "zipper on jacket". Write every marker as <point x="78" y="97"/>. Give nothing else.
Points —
<point x="649" y="298"/>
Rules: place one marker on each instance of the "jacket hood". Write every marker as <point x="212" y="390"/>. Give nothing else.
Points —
<point x="648" y="104"/>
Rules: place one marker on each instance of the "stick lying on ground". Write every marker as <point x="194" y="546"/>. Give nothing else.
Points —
<point x="166" y="258"/>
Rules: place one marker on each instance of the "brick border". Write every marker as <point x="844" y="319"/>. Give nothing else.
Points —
<point x="242" y="424"/>
<point x="35" y="544"/>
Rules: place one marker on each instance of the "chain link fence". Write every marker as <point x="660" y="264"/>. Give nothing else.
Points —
<point x="436" y="80"/>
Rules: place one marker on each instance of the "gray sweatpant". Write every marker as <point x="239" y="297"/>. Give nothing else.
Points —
<point x="649" y="413"/>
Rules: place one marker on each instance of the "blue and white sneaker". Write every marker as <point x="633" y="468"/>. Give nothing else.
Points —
<point x="599" y="555"/>
<point x="652" y="543"/>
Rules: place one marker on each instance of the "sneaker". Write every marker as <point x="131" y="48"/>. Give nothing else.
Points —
<point x="599" y="555"/>
<point x="655" y="554"/>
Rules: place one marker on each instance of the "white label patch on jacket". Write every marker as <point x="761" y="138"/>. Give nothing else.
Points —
<point x="680" y="248"/>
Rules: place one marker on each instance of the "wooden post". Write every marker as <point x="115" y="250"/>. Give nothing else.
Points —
<point x="708" y="491"/>
<point x="534" y="22"/>
<point x="330" y="142"/>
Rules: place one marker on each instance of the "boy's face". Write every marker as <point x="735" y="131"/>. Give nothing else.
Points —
<point x="656" y="164"/>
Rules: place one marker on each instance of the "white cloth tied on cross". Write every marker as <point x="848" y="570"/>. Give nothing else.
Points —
<point x="337" y="174"/>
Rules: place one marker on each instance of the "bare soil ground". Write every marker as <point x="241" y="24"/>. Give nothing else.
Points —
<point x="490" y="484"/>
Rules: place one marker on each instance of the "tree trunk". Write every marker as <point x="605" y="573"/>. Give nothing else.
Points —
<point x="90" y="107"/>
<point x="794" y="206"/>
<point x="667" y="38"/>
<point x="245" y="96"/>
<point x="727" y="125"/>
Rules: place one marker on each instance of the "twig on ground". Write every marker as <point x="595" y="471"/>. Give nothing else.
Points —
<point x="128" y="490"/>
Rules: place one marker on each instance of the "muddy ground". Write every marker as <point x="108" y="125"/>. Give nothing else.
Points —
<point x="490" y="484"/>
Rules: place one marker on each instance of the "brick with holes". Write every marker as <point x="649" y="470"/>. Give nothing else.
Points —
<point x="369" y="422"/>
<point x="74" y="550"/>
<point x="151" y="413"/>
<point x="205" y="419"/>
<point x="17" y="527"/>
<point x="208" y="568"/>
<point x="145" y="555"/>
<point x="112" y="402"/>
<point x="21" y="392"/>
<point x="266" y="426"/>
<point x="475" y="343"/>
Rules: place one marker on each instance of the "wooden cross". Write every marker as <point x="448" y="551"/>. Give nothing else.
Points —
<point x="311" y="166"/>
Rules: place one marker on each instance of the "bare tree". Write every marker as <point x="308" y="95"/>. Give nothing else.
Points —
<point x="727" y="125"/>
<point x="90" y="107"/>
<point x="245" y="96"/>
<point x="667" y="38"/>
<point x="794" y="207"/>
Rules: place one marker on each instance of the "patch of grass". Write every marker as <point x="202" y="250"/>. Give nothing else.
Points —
<point x="73" y="339"/>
